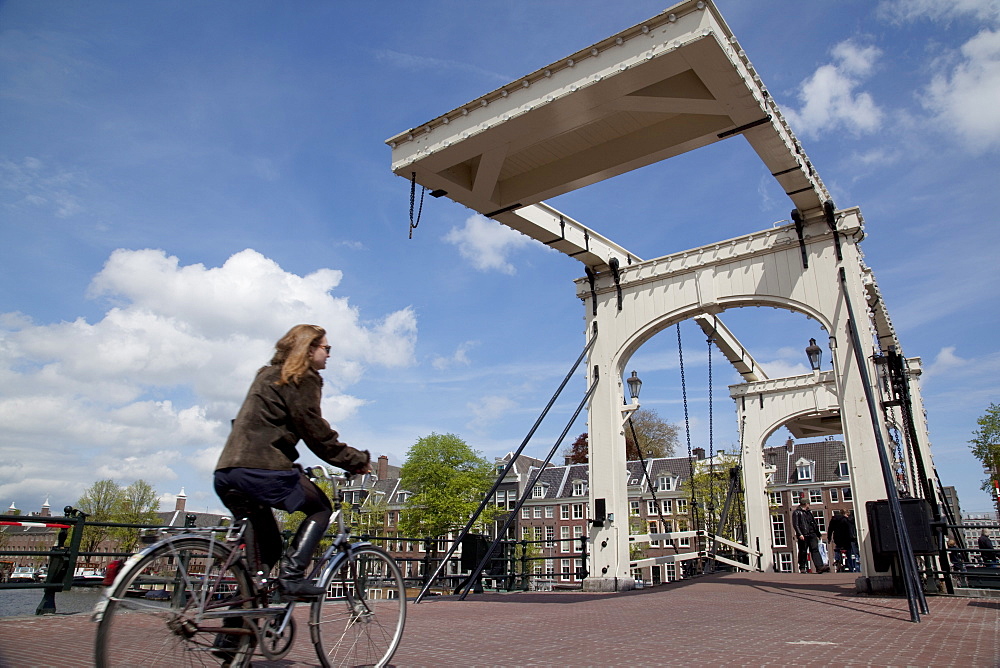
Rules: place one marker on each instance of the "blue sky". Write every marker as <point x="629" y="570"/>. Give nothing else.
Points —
<point x="181" y="182"/>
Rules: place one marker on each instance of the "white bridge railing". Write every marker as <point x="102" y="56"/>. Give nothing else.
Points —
<point x="710" y="539"/>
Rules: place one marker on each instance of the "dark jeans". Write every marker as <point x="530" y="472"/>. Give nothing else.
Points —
<point x="241" y="491"/>
<point x="810" y="546"/>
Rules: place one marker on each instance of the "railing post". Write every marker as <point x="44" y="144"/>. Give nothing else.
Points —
<point x="427" y="561"/>
<point x="524" y="565"/>
<point x="62" y="564"/>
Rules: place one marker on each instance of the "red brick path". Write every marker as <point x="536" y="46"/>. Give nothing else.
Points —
<point x="759" y="619"/>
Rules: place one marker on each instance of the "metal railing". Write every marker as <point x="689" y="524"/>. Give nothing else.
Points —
<point x="512" y="569"/>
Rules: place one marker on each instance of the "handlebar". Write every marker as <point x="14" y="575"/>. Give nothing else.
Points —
<point x="324" y="473"/>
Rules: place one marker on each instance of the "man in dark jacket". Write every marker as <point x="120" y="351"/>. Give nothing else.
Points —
<point x="808" y="535"/>
<point x="986" y="549"/>
<point x="841" y="534"/>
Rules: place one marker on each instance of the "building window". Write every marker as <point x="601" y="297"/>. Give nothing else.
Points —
<point x="550" y="534"/>
<point x="651" y="508"/>
<point x="682" y="506"/>
<point x="797" y="496"/>
<point x="774" y="498"/>
<point x="665" y="483"/>
<point x="525" y="533"/>
<point x="633" y="508"/>
<point x="549" y="512"/>
<point x="848" y="496"/>
<point x="566" y="573"/>
<point x="685" y="541"/>
<point x="578" y="564"/>
<point x="804" y="470"/>
<point x="564" y="545"/>
<point x="525" y="513"/>
<point x="538" y="534"/>
<point x="564" y="512"/>
<point x="842" y="470"/>
<point x="577" y="511"/>
<point x="815" y="496"/>
<point x="538" y="512"/>
<point x="549" y="567"/>
<point x="820" y="520"/>
<point x="778" y="530"/>
<point x="579" y="488"/>
<point x="653" y="527"/>
<point x="668" y="506"/>
<point x="577" y="533"/>
<point x="834" y="495"/>
<point x="671" y="572"/>
<point x="538" y="492"/>
<point x="785" y="562"/>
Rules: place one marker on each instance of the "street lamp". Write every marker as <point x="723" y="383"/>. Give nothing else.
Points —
<point x="815" y="355"/>
<point x="634" y="385"/>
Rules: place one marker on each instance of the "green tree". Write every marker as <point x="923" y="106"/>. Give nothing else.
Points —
<point x="710" y="489"/>
<point x="446" y="480"/>
<point x="985" y="444"/>
<point x="100" y="502"/>
<point x="136" y="505"/>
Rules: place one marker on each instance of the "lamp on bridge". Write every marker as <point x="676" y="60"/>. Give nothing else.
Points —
<point x="815" y="355"/>
<point x="634" y="385"/>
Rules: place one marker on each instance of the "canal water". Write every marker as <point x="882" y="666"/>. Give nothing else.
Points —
<point x="22" y="602"/>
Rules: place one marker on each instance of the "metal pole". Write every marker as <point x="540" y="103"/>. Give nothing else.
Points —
<point x="914" y="593"/>
<point x="530" y="485"/>
<point x="507" y="468"/>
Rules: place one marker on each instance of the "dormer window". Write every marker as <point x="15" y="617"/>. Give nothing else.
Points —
<point x="804" y="469"/>
<point x="538" y="491"/>
<point x="579" y="488"/>
<point x="665" y="483"/>
<point x="842" y="470"/>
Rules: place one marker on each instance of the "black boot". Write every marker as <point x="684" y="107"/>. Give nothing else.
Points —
<point x="291" y="580"/>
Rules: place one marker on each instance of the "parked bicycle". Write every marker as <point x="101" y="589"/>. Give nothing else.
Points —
<point x="194" y="599"/>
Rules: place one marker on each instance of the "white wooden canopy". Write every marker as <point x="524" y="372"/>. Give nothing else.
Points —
<point x="658" y="89"/>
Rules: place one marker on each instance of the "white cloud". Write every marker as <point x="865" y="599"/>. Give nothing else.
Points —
<point x="945" y="361"/>
<point x="489" y="409"/>
<point x="31" y="184"/>
<point x="459" y="358"/>
<point x="830" y="99"/>
<point x="909" y="10"/>
<point x="408" y="61"/>
<point x="967" y="97"/>
<point x="148" y="390"/>
<point x="486" y="244"/>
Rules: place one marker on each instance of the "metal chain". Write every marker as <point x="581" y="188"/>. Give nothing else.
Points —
<point x="413" y="194"/>
<point x="711" y="448"/>
<point x="687" y="426"/>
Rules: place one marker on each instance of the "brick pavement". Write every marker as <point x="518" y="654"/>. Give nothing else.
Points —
<point x="738" y="619"/>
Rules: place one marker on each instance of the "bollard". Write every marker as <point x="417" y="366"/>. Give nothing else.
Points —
<point x="58" y="563"/>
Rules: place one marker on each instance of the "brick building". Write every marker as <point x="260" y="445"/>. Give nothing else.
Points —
<point x="817" y="470"/>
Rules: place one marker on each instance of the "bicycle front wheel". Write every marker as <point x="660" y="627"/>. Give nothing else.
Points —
<point x="360" y="620"/>
<point x="170" y="609"/>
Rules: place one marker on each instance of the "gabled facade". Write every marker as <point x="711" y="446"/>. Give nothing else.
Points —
<point x="817" y="470"/>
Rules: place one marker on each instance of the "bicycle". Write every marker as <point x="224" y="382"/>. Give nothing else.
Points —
<point x="192" y="599"/>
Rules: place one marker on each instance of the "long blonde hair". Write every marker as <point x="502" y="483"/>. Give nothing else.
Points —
<point x="294" y="352"/>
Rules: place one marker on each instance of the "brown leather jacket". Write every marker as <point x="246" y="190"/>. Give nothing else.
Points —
<point x="274" y="418"/>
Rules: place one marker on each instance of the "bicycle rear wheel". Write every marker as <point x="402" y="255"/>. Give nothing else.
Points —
<point x="169" y="610"/>
<point x="360" y="620"/>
